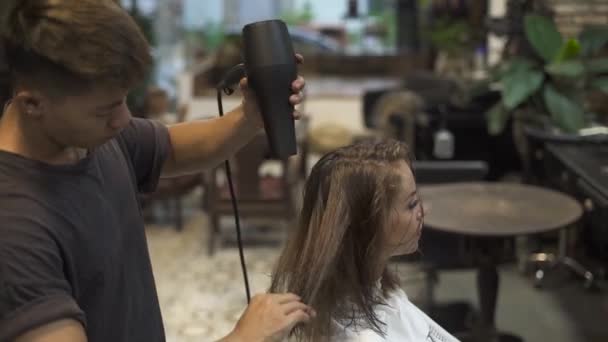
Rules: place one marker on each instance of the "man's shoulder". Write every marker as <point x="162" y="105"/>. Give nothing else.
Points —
<point x="19" y="204"/>
<point x="13" y="188"/>
<point x="23" y="200"/>
<point x="23" y="222"/>
<point x="139" y="130"/>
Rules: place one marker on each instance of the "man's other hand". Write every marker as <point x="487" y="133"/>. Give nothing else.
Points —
<point x="270" y="317"/>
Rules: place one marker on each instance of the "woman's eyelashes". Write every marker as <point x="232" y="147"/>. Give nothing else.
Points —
<point x="413" y="204"/>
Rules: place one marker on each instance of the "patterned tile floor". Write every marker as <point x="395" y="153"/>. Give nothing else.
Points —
<point x="202" y="296"/>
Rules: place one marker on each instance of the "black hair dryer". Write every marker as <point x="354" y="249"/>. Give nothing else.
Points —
<point x="271" y="69"/>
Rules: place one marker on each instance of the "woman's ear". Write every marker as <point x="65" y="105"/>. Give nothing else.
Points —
<point x="29" y="103"/>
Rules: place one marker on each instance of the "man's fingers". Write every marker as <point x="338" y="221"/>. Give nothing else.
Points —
<point x="296" y="317"/>
<point x="296" y="98"/>
<point x="294" y="306"/>
<point x="285" y="298"/>
<point x="290" y="321"/>
<point x="297" y="114"/>
<point x="245" y="90"/>
<point x="243" y="83"/>
<point x="298" y="85"/>
<point x="299" y="58"/>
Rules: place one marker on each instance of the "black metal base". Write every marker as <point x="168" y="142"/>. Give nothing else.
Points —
<point x="501" y="337"/>
<point x="454" y="317"/>
<point x="459" y="319"/>
<point x="551" y="263"/>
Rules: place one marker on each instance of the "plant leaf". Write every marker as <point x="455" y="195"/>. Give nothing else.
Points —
<point x="566" y="69"/>
<point x="543" y="36"/>
<point x="593" y="39"/>
<point x="518" y="86"/>
<point x="496" y="119"/>
<point x="598" y="65"/>
<point x="502" y="70"/>
<point x="569" y="50"/>
<point x="519" y="63"/>
<point x="601" y="84"/>
<point x="566" y="113"/>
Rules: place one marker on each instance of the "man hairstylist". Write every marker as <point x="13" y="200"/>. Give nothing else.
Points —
<point x="74" y="264"/>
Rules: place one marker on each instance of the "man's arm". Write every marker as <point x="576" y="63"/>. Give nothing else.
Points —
<point x="67" y="330"/>
<point x="269" y="317"/>
<point x="34" y="291"/>
<point x="199" y="145"/>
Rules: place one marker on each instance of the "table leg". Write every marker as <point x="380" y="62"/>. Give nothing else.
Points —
<point x="487" y="285"/>
<point x="489" y="254"/>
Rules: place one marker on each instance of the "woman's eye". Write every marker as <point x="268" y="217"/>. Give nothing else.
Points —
<point x="413" y="204"/>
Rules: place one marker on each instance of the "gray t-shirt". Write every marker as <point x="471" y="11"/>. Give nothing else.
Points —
<point x="72" y="240"/>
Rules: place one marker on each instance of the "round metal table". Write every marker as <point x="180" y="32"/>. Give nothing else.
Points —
<point x="490" y="212"/>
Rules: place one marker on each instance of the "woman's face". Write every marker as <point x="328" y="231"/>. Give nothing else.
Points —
<point x="406" y="215"/>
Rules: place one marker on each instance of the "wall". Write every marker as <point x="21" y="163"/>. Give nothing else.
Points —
<point x="571" y="15"/>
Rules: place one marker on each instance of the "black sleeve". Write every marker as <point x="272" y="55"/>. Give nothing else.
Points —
<point x="147" y="145"/>
<point x="33" y="287"/>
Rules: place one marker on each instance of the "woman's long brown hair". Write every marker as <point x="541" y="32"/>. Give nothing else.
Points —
<point x="333" y="258"/>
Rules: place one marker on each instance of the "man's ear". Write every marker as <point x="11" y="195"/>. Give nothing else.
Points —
<point x="29" y="103"/>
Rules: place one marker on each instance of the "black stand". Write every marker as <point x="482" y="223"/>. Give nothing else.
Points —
<point x="489" y="251"/>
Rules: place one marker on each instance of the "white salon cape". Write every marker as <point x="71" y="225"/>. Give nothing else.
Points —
<point x="404" y="322"/>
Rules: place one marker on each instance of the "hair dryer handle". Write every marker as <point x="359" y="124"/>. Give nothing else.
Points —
<point x="272" y="86"/>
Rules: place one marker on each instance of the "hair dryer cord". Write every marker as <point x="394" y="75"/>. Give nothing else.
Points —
<point x="226" y="87"/>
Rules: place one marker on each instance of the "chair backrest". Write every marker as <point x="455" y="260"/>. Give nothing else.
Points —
<point x="249" y="184"/>
<point x="369" y="100"/>
<point x="446" y="171"/>
<point x="248" y="161"/>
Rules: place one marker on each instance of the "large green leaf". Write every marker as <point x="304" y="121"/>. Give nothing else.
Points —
<point x="593" y="39"/>
<point x="598" y="65"/>
<point x="569" y="50"/>
<point x="601" y="84"/>
<point x="566" y="69"/>
<point x="502" y="70"/>
<point x="518" y="64"/>
<point x="566" y="113"/>
<point x="519" y="85"/>
<point x="543" y="36"/>
<point x="497" y="118"/>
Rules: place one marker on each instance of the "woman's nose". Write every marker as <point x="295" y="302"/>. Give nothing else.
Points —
<point x="420" y="213"/>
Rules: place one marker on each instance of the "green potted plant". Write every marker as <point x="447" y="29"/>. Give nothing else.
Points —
<point x="549" y="90"/>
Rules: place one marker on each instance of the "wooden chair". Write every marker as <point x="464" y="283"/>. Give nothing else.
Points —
<point x="170" y="191"/>
<point x="258" y="196"/>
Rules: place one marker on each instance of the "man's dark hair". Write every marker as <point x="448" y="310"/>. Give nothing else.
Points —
<point x="68" y="45"/>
